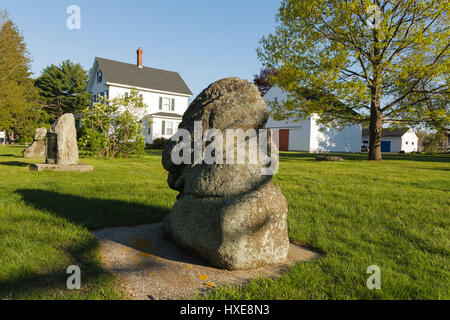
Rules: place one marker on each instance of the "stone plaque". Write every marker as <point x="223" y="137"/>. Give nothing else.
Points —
<point x="52" y="147"/>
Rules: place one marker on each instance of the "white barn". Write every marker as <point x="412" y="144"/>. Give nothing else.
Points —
<point x="394" y="140"/>
<point x="164" y="92"/>
<point x="310" y="136"/>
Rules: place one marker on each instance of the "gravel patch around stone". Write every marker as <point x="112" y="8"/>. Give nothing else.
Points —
<point x="152" y="267"/>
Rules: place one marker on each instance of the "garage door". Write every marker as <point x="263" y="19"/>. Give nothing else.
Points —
<point x="385" y="146"/>
<point x="284" y="140"/>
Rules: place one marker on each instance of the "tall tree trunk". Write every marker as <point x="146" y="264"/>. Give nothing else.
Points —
<point x="376" y="92"/>
<point x="375" y="126"/>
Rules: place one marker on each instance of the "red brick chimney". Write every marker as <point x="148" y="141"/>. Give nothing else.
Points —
<point x="139" y="57"/>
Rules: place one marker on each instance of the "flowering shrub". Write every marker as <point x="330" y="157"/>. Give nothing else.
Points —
<point x="112" y="127"/>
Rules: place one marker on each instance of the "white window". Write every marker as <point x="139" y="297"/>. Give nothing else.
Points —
<point x="169" y="128"/>
<point x="99" y="76"/>
<point x="166" y="104"/>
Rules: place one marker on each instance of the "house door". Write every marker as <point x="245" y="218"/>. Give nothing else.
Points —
<point x="385" y="146"/>
<point x="284" y="140"/>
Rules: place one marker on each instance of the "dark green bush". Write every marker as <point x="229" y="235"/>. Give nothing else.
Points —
<point x="158" y="143"/>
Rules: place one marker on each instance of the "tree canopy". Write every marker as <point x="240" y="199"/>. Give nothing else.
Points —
<point x="385" y="61"/>
<point x="63" y="88"/>
<point x="19" y="111"/>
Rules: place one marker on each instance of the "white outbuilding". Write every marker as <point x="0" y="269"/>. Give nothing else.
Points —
<point x="310" y="136"/>
<point x="394" y="140"/>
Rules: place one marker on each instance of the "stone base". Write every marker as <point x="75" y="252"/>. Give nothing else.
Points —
<point x="151" y="267"/>
<point x="56" y="167"/>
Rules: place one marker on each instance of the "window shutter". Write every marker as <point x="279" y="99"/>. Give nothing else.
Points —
<point x="163" y="128"/>
<point x="160" y="103"/>
<point x="173" y="104"/>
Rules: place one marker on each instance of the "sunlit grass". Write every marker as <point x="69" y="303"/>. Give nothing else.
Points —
<point x="393" y="214"/>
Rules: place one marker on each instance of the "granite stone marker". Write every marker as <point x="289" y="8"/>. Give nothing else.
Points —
<point x="37" y="148"/>
<point x="62" y="147"/>
<point x="228" y="214"/>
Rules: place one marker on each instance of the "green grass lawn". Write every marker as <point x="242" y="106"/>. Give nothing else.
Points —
<point x="393" y="214"/>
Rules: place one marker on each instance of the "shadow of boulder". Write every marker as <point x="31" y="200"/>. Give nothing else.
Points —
<point x="93" y="213"/>
<point x="14" y="164"/>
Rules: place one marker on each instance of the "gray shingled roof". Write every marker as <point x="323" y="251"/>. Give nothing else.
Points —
<point x="150" y="78"/>
<point x="387" y="132"/>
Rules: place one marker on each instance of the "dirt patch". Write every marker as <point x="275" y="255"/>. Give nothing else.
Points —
<point x="153" y="268"/>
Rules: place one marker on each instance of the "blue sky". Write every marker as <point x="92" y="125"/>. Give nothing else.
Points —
<point x="202" y="40"/>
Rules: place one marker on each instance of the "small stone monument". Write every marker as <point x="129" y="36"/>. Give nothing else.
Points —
<point x="37" y="148"/>
<point x="61" y="150"/>
<point x="329" y="158"/>
<point x="231" y="215"/>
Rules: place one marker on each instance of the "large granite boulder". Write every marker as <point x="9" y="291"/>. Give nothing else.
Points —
<point x="62" y="147"/>
<point x="37" y="148"/>
<point x="230" y="214"/>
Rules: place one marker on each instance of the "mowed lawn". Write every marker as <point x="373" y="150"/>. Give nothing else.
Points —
<point x="394" y="214"/>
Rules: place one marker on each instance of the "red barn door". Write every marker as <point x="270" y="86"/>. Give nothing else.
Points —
<point x="284" y="140"/>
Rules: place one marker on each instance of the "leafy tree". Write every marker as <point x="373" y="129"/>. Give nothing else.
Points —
<point x="262" y="80"/>
<point x="19" y="111"/>
<point x="421" y="135"/>
<point x="14" y="57"/>
<point x="63" y="88"/>
<point x="429" y="106"/>
<point x="112" y="127"/>
<point x="431" y="143"/>
<point x="382" y="70"/>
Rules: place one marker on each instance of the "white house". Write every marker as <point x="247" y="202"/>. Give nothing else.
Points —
<point x="164" y="92"/>
<point x="2" y="137"/>
<point x="394" y="140"/>
<point x="310" y="136"/>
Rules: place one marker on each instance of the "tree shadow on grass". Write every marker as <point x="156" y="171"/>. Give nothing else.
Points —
<point x="14" y="164"/>
<point x="93" y="213"/>
<point x="53" y="284"/>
